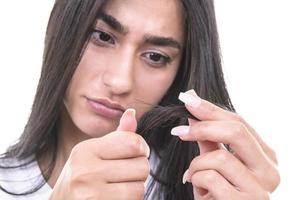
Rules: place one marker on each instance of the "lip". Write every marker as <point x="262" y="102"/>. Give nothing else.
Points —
<point x="105" y="107"/>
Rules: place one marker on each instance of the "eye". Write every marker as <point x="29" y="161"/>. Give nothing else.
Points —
<point x="157" y="58"/>
<point x="102" y="37"/>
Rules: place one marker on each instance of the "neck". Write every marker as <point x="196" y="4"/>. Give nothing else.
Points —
<point x="68" y="136"/>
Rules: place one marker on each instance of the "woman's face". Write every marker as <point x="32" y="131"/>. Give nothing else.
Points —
<point x="131" y="60"/>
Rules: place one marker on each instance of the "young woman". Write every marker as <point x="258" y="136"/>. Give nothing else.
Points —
<point x="118" y="113"/>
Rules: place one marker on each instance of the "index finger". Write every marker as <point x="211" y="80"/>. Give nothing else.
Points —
<point x="204" y="146"/>
<point x="204" y="110"/>
<point x="118" y="145"/>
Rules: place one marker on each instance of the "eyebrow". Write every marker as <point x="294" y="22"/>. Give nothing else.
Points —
<point x="150" y="39"/>
<point x="113" y="23"/>
<point x="162" y="41"/>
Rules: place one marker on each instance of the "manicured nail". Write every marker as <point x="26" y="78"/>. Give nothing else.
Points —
<point x="145" y="147"/>
<point x="131" y="111"/>
<point x="148" y="152"/>
<point x="192" y="92"/>
<point x="189" y="99"/>
<point x="185" y="176"/>
<point x="180" y="130"/>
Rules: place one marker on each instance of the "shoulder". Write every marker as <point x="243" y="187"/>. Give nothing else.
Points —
<point x="20" y="176"/>
<point x="14" y="170"/>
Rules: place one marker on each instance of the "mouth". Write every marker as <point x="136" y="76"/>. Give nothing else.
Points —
<point x="105" y="107"/>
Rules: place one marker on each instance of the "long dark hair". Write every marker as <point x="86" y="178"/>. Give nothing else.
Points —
<point x="68" y="31"/>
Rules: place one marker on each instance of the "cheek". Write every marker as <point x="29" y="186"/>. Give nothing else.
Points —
<point x="86" y="76"/>
<point x="72" y="101"/>
<point x="153" y="86"/>
<point x="76" y="85"/>
<point x="85" y="82"/>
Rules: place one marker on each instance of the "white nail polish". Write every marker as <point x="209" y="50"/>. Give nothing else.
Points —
<point x="185" y="176"/>
<point x="192" y="92"/>
<point x="189" y="99"/>
<point x="148" y="151"/>
<point x="144" y="147"/>
<point x="180" y="130"/>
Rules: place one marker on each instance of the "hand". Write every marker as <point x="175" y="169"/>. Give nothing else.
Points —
<point x="114" y="166"/>
<point x="248" y="172"/>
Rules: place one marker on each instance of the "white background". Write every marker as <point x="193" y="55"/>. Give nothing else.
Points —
<point x="260" y="44"/>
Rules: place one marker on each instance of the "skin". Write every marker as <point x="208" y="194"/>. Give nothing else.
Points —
<point x="119" y="67"/>
<point x="108" y="148"/>
<point x="248" y="172"/>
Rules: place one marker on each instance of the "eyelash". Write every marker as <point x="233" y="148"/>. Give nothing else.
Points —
<point x="163" y="60"/>
<point x="100" y="32"/>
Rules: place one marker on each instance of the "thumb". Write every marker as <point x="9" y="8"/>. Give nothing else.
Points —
<point x="128" y="121"/>
<point x="204" y="146"/>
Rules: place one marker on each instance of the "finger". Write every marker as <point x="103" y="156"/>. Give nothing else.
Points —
<point x="228" y="166"/>
<point x="205" y="110"/>
<point x="125" y="191"/>
<point x="202" y="109"/>
<point x="268" y="150"/>
<point x="128" y="121"/>
<point x="244" y="145"/>
<point x="204" y="146"/>
<point x="216" y="184"/>
<point x="235" y="134"/>
<point x="126" y="170"/>
<point x="199" y="195"/>
<point x="117" y="145"/>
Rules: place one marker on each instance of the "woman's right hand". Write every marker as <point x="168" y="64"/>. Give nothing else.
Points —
<point x="114" y="166"/>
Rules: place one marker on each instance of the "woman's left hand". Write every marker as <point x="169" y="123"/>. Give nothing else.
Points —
<point x="248" y="172"/>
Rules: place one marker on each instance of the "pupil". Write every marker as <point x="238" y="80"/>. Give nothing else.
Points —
<point x="155" y="56"/>
<point x="104" y="37"/>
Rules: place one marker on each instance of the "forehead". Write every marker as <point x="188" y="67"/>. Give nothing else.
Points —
<point x="157" y="17"/>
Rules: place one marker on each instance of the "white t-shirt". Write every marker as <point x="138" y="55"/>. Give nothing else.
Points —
<point x="25" y="178"/>
<point x="22" y="179"/>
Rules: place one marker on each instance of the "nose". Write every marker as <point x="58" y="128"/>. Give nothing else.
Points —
<point x="119" y="73"/>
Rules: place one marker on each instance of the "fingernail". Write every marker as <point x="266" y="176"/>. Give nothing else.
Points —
<point x="145" y="147"/>
<point x="131" y="112"/>
<point x="185" y="176"/>
<point x="180" y="130"/>
<point x="148" y="151"/>
<point x="192" y="92"/>
<point x="189" y="99"/>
